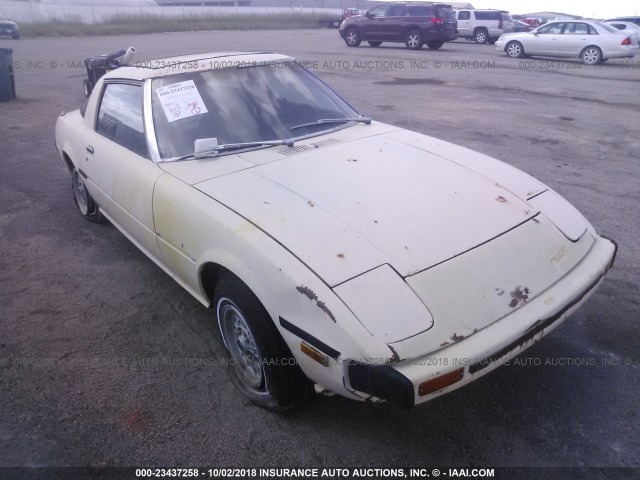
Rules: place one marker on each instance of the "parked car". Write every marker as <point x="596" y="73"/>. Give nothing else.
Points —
<point x="519" y="26"/>
<point x="483" y="26"/>
<point x="589" y="40"/>
<point x="629" y="28"/>
<point x="411" y="24"/>
<point x="371" y="261"/>
<point x="635" y="20"/>
<point x="9" y="28"/>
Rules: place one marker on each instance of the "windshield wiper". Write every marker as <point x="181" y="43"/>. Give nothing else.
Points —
<point x="214" y="152"/>
<point x="366" y="120"/>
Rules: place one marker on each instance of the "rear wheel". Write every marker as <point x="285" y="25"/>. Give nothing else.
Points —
<point x="375" y="44"/>
<point x="259" y="362"/>
<point x="591" y="55"/>
<point x="352" y="37"/>
<point x="514" y="49"/>
<point x="83" y="200"/>
<point x="413" y="40"/>
<point x="434" y="45"/>
<point x="481" y="36"/>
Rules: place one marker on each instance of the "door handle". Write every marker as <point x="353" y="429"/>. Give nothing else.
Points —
<point x="89" y="149"/>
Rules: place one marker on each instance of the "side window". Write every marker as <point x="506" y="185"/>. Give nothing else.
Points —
<point x="396" y="11"/>
<point x="419" y="11"/>
<point x="580" y="29"/>
<point x="592" y="31"/>
<point x="464" y="15"/>
<point x="552" y="29"/>
<point x="379" y="11"/>
<point x="120" y="117"/>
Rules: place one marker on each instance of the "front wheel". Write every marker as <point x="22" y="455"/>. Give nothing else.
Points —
<point x="591" y="56"/>
<point x="375" y="44"/>
<point x="352" y="37"/>
<point x="413" y="40"/>
<point x="434" y="45"/>
<point x="259" y="362"/>
<point x="514" y="49"/>
<point x="83" y="200"/>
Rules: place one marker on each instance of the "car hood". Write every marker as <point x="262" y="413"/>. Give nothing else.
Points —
<point x="7" y="23"/>
<point x="396" y="198"/>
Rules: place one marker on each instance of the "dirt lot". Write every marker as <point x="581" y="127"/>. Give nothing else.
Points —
<point x="104" y="360"/>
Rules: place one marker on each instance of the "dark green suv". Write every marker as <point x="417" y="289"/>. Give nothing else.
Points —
<point x="411" y="24"/>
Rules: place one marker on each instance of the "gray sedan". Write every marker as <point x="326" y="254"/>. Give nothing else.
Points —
<point x="589" y="40"/>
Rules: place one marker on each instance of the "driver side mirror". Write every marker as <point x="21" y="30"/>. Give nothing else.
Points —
<point x="369" y="15"/>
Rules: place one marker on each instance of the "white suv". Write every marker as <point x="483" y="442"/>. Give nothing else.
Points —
<point x="483" y="26"/>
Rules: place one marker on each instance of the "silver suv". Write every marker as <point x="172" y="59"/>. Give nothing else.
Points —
<point x="483" y="26"/>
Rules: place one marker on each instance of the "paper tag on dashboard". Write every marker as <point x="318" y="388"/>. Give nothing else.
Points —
<point x="181" y="100"/>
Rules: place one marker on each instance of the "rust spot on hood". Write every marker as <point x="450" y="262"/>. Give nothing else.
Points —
<point x="340" y="255"/>
<point x="519" y="296"/>
<point x="501" y="199"/>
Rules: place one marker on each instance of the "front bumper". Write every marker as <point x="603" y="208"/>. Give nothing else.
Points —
<point x="482" y="352"/>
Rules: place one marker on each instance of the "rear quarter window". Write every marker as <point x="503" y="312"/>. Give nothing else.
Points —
<point x="420" y="11"/>
<point x="487" y="15"/>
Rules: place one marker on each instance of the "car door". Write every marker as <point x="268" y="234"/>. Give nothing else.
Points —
<point x="374" y="24"/>
<point x="394" y="25"/>
<point x="544" y="40"/>
<point x="574" y="38"/>
<point x="118" y="165"/>
<point x="464" y="23"/>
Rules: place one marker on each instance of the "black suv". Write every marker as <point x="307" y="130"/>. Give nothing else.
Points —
<point x="413" y="24"/>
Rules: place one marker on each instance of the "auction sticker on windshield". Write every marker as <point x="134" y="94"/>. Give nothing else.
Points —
<point x="181" y="100"/>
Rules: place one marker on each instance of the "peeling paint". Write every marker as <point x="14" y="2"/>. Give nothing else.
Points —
<point x="500" y="291"/>
<point x="340" y="255"/>
<point x="519" y="296"/>
<point x="311" y="204"/>
<point x="326" y="310"/>
<point x="501" y="199"/>
<point x="456" y="338"/>
<point x="352" y="159"/>
<point x="311" y="295"/>
<point x="444" y="344"/>
<point x="307" y="292"/>
<point x="394" y="355"/>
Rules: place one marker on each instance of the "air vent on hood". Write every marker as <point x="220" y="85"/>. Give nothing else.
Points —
<point x="294" y="149"/>
<point x="324" y="143"/>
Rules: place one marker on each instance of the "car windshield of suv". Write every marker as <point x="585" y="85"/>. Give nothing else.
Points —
<point x="261" y="103"/>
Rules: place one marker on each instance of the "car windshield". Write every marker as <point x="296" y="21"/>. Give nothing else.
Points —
<point x="246" y="105"/>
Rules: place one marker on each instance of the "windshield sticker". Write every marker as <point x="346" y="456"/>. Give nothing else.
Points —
<point x="181" y="100"/>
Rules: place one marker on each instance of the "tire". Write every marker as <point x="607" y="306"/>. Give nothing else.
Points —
<point x="87" y="207"/>
<point x="375" y="44"/>
<point x="591" y="55"/>
<point x="413" y="40"/>
<point x="480" y="36"/>
<point x="260" y="363"/>
<point x="434" y="45"/>
<point x="86" y="87"/>
<point x="514" y="49"/>
<point x="492" y="41"/>
<point x="352" y="37"/>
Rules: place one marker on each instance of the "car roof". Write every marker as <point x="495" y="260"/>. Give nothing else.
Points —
<point x="199" y="62"/>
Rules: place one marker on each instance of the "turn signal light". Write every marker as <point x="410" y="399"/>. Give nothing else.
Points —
<point x="314" y="354"/>
<point x="437" y="20"/>
<point x="440" y="382"/>
<point x="626" y="41"/>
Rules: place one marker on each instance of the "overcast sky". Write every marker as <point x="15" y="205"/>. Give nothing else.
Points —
<point x="584" y="8"/>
